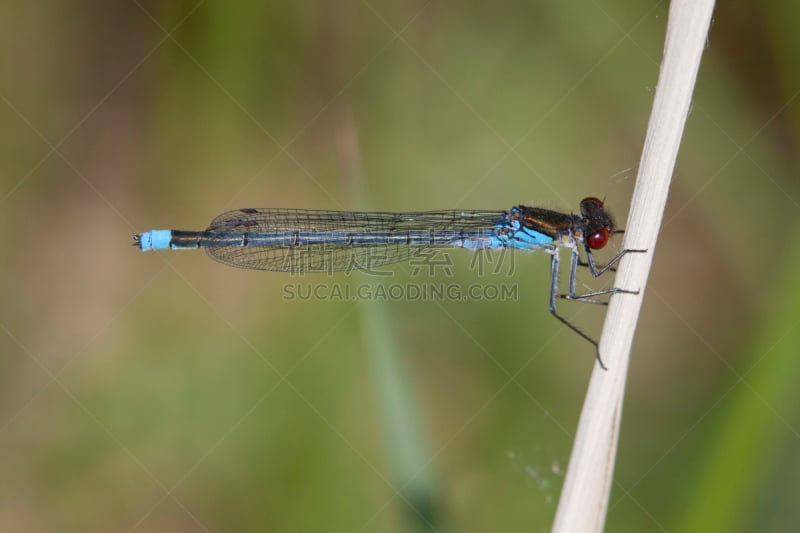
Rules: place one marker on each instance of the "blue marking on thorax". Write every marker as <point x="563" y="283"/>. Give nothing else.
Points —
<point x="158" y="239"/>
<point x="528" y="239"/>
<point x="510" y="234"/>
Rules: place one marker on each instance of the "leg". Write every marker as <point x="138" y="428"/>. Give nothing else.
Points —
<point x="597" y="271"/>
<point x="585" y="297"/>
<point x="554" y="268"/>
<point x="573" y="272"/>
<point x="585" y="264"/>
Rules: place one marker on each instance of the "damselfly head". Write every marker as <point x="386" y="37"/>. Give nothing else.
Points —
<point x="597" y="223"/>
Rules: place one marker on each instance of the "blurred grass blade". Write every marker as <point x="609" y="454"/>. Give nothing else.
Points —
<point x="412" y="473"/>
<point x="757" y="424"/>
<point x="408" y="453"/>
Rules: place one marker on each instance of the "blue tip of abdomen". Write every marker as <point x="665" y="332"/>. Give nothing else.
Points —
<point x="158" y="239"/>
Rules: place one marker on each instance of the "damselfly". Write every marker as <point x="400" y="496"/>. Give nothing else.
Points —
<point x="306" y="241"/>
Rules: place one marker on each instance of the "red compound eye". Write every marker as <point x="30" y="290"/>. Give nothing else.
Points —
<point x="598" y="239"/>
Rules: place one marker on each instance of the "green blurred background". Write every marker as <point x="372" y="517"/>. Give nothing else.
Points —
<point x="166" y="392"/>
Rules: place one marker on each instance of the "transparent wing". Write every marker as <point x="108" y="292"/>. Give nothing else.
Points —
<point x="340" y="253"/>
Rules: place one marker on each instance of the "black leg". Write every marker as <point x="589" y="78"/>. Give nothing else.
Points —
<point x="575" y="262"/>
<point x="585" y="264"/>
<point x="610" y="265"/>
<point x="554" y="268"/>
<point x="585" y="298"/>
